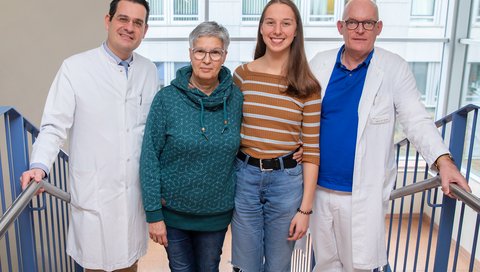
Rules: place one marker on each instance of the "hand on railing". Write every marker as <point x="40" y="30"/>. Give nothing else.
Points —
<point x="449" y="174"/>
<point x="35" y="174"/>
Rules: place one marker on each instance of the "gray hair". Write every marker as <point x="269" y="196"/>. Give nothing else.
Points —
<point x="210" y="29"/>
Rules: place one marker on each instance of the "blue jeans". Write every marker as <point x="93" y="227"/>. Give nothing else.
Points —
<point x="265" y="203"/>
<point x="194" y="251"/>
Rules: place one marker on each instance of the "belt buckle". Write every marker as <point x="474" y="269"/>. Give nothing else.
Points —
<point x="263" y="169"/>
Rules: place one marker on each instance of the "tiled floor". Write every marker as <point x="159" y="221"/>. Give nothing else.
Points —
<point x="421" y="263"/>
<point x="156" y="258"/>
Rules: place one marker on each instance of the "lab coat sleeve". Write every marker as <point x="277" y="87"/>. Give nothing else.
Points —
<point x="152" y="146"/>
<point x="57" y="119"/>
<point x="417" y="123"/>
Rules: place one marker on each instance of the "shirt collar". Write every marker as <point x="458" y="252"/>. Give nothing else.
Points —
<point x="115" y="57"/>
<point x="366" y="62"/>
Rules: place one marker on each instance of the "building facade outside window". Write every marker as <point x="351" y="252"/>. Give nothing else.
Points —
<point x="423" y="11"/>
<point x="252" y="10"/>
<point x="176" y="11"/>
<point x="312" y="11"/>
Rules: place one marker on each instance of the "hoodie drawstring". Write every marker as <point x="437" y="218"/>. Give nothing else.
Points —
<point x="202" y="123"/>
<point x="225" y="114"/>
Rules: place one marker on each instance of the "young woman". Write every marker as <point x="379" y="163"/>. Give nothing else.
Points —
<point x="273" y="200"/>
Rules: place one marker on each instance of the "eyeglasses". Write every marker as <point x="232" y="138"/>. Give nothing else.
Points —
<point x="215" y="54"/>
<point x="123" y="19"/>
<point x="367" y="24"/>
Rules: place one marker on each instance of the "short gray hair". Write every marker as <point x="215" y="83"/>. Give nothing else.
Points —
<point x="210" y="29"/>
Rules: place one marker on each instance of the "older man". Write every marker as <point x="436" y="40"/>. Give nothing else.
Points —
<point x="100" y="100"/>
<point x="366" y="89"/>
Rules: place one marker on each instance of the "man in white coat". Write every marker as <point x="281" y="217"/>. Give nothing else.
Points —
<point x="99" y="101"/>
<point x="365" y="89"/>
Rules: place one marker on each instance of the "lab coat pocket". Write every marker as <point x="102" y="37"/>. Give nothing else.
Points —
<point x="143" y="109"/>
<point x="382" y="119"/>
<point x="84" y="188"/>
<point x="381" y="112"/>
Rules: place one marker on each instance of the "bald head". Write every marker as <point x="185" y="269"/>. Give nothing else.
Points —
<point x="353" y="5"/>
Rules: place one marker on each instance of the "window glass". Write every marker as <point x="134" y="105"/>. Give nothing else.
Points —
<point x="161" y="73"/>
<point x="156" y="10"/>
<point x="471" y="88"/>
<point x="422" y="10"/>
<point x="185" y="10"/>
<point x="252" y="9"/>
<point x="321" y="10"/>
<point x="420" y="71"/>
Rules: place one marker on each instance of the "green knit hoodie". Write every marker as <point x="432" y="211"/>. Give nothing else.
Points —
<point x="186" y="172"/>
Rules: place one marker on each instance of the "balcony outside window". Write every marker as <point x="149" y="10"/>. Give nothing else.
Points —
<point x="311" y="11"/>
<point x="176" y="11"/>
<point x="252" y="10"/>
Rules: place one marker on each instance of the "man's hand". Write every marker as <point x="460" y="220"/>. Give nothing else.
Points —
<point x="449" y="174"/>
<point x="36" y="174"/>
<point x="158" y="233"/>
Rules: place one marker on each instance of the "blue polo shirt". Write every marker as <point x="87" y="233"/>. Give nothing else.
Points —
<point x="339" y="122"/>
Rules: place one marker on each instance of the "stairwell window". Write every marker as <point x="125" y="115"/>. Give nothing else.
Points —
<point x="312" y="11"/>
<point x="176" y="11"/>
<point x="427" y="76"/>
<point x="321" y="11"/>
<point x="423" y="11"/>
<point x="252" y="10"/>
<point x="477" y="13"/>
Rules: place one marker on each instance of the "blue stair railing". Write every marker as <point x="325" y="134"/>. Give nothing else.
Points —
<point x="426" y="229"/>
<point x="37" y="239"/>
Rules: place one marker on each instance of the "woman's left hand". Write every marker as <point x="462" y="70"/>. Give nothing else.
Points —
<point x="298" y="226"/>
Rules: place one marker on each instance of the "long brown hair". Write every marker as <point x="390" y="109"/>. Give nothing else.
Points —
<point x="301" y="81"/>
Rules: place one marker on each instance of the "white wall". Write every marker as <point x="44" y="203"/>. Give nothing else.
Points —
<point x="36" y="37"/>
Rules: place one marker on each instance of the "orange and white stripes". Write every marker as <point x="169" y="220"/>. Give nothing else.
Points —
<point x="274" y="123"/>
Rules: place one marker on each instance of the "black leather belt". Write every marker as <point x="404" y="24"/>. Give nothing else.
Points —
<point x="269" y="164"/>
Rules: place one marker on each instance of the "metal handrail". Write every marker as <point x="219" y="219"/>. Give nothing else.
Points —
<point x="466" y="197"/>
<point x="24" y="198"/>
<point x="416" y="187"/>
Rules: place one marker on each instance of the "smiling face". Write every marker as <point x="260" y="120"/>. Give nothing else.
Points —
<point x="206" y="70"/>
<point x="126" y="28"/>
<point x="278" y="28"/>
<point x="360" y="42"/>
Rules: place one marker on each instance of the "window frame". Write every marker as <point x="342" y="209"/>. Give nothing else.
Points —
<point x="304" y="9"/>
<point x="168" y="18"/>
<point x="425" y="19"/>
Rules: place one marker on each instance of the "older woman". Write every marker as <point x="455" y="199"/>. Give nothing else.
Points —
<point x="191" y="138"/>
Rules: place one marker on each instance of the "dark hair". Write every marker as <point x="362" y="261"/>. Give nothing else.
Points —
<point x="114" y="5"/>
<point x="301" y="81"/>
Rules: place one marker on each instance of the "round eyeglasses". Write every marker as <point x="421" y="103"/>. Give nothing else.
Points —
<point x="215" y="54"/>
<point x="367" y="24"/>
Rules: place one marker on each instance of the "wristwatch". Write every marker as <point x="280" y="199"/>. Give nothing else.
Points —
<point x="446" y="154"/>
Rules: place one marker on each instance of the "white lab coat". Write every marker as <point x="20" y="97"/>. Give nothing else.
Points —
<point x="389" y="94"/>
<point x="104" y="116"/>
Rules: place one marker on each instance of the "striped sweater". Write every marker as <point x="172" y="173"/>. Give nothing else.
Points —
<point x="273" y="122"/>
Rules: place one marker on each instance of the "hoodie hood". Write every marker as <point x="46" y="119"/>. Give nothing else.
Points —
<point x="217" y="100"/>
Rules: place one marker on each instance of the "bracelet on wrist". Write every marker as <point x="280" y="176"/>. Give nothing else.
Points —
<point x="304" y="212"/>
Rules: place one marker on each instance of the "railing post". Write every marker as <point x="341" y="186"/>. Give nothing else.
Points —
<point x="18" y="163"/>
<point x="457" y="139"/>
